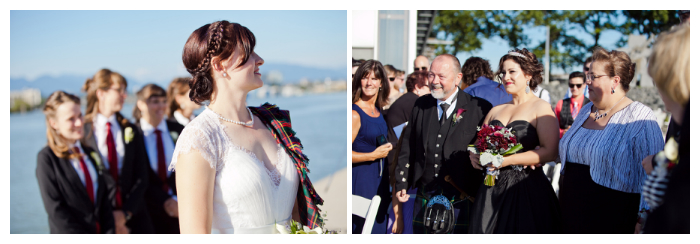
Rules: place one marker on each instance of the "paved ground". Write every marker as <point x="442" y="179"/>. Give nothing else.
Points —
<point x="333" y="190"/>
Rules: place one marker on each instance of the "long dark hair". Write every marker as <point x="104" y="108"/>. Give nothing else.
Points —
<point x="365" y="69"/>
<point x="218" y="39"/>
<point x="528" y="64"/>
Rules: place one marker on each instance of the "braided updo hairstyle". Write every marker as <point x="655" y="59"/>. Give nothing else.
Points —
<point x="218" y="39"/>
<point x="616" y="63"/>
<point x="529" y="64"/>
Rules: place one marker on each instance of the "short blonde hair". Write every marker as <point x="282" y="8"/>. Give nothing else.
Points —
<point x="669" y="64"/>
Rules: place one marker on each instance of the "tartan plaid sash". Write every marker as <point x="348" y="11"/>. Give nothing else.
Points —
<point x="280" y="124"/>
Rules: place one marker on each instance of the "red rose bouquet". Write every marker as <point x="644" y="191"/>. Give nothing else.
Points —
<point x="492" y="143"/>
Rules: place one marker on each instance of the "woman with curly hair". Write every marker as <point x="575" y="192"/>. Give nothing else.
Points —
<point x="522" y="200"/>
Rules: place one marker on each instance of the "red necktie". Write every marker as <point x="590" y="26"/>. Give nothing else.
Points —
<point x="161" y="161"/>
<point x="113" y="163"/>
<point x="88" y="183"/>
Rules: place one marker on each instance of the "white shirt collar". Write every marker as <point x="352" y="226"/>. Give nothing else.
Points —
<point x="449" y="99"/>
<point x="148" y="129"/>
<point x="78" y="145"/>
<point x="101" y="120"/>
<point x="181" y="118"/>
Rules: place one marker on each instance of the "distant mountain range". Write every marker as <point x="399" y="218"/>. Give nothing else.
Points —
<point x="72" y="83"/>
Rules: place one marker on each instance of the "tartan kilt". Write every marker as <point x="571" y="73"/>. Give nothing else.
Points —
<point x="462" y="208"/>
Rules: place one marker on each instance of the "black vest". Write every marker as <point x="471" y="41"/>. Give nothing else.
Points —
<point x="565" y="117"/>
<point x="434" y="155"/>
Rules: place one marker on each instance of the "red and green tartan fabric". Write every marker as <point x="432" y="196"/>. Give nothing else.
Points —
<point x="280" y="124"/>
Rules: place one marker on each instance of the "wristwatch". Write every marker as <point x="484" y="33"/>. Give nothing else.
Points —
<point x="127" y="215"/>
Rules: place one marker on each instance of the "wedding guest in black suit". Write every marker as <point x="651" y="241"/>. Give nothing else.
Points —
<point x="71" y="185"/>
<point x="667" y="189"/>
<point x="433" y="154"/>
<point x="159" y="137"/>
<point x="122" y="151"/>
<point x="398" y="114"/>
<point x="180" y="107"/>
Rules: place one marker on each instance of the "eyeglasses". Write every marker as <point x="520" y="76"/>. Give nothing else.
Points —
<point x="420" y="68"/>
<point x="576" y="85"/>
<point x="392" y="78"/>
<point x="121" y="90"/>
<point x="593" y="77"/>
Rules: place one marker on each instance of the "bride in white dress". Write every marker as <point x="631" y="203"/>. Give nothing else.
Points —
<point x="233" y="174"/>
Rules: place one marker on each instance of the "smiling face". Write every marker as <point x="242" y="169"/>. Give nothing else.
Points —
<point x="153" y="109"/>
<point x="578" y="86"/>
<point x="68" y="121"/>
<point x="513" y="77"/>
<point x="370" y="85"/>
<point x="112" y="99"/>
<point x="248" y="74"/>
<point x="443" y="78"/>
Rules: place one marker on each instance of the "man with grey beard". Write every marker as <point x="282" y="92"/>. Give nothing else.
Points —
<point x="433" y="156"/>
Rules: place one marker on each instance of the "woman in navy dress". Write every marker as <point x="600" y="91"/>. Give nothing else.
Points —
<point x="369" y="168"/>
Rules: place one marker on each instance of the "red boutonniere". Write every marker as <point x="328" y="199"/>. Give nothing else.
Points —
<point x="458" y="116"/>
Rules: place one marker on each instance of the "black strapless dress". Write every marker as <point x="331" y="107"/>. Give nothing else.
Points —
<point x="522" y="200"/>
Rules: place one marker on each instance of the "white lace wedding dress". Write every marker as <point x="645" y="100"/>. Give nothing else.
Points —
<point x="248" y="197"/>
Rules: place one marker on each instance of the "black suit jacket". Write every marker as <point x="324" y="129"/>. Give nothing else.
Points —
<point x="133" y="178"/>
<point x="155" y="195"/>
<point x="65" y="197"/>
<point x="423" y="124"/>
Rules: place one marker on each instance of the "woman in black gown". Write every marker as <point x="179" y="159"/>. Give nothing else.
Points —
<point x="522" y="200"/>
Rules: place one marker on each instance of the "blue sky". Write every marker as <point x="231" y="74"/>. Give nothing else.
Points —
<point x="147" y="45"/>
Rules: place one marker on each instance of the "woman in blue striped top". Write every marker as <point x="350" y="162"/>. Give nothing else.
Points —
<point x="603" y="151"/>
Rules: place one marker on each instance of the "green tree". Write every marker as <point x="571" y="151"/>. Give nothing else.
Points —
<point x="647" y="22"/>
<point x="466" y="28"/>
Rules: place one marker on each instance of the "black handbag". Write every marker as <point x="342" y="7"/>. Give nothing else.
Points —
<point x="439" y="216"/>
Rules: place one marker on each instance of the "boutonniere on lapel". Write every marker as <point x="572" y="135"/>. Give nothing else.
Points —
<point x="174" y="135"/>
<point x="128" y="135"/>
<point x="458" y="116"/>
<point x="97" y="159"/>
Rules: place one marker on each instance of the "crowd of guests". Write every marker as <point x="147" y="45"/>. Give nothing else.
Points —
<point x="102" y="173"/>
<point x="618" y="174"/>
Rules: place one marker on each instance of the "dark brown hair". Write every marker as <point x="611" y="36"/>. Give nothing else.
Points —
<point x="57" y="142"/>
<point x="218" y="39"/>
<point x="364" y="70"/>
<point x="179" y="86"/>
<point x="577" y="74"/>
<point x="474" y="68"/>
<point x="529" y="64"/>
<point x="146" y="92"/>
<point x="616" y="63"/>
<point x="103" y="80"/>
<point x="415" y="77"/>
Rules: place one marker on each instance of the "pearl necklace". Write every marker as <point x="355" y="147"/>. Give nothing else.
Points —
<point x="246" y="124"/>
<point x="599" y="116"/>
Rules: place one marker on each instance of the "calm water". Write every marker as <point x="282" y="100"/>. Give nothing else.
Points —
<point x="320" y="121"/>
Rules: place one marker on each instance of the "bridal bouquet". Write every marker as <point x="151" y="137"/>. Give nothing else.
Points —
<point x="294" y="227"/>
<point x="492" y="143"/>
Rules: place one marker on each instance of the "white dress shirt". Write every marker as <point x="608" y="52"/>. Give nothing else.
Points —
<point x="149" y="137"/>
<point x="450" y="101"/>
<point x="100" y="129"/>
<point x="91" y="169"/>
<point x="182" y="119"/>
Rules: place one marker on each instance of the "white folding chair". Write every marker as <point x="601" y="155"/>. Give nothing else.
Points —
<point x="555" y="178"/>
<point x="367" y="209"/>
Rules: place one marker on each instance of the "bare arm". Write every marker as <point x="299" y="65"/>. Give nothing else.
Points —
<point x="358" y="157"/>
<point x="195" y="192"/>
<point x="548" y="133"/>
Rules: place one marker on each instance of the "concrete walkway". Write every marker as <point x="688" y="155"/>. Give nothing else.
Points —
<point x="333" y="190"/>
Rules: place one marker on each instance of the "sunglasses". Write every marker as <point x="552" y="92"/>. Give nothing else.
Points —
<point x="576" y="85"/>
<point x="392" y="78"/>
<point x="420" y="68"/>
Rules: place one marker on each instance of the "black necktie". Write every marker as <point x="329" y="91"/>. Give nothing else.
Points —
<point x="444" y="107"/>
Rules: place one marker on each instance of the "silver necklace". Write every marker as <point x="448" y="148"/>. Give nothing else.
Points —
<point x="599" y="116"/>
<point x="246" y="124"/>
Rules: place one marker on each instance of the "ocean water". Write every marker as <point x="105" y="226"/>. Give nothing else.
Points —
<point x="320" y="121"/>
